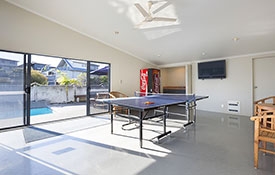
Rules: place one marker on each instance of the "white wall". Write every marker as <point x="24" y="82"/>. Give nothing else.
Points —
<point x="237" y="86"/>
<point x="25" y="32"/>
<point x="50" y="93"/>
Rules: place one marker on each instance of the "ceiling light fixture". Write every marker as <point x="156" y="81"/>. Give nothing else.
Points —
<point x="235" y="39"/>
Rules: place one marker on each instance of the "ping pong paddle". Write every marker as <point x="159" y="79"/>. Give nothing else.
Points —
<point x="148" y="102"/>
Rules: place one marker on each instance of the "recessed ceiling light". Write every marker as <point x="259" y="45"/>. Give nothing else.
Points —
<point x="203" y="53"/>
<point x="235" y="39"/>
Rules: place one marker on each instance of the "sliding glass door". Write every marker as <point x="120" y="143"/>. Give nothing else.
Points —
<point x="99" y="81"/>
<point x="36" y="89"/>
<point x="13" y="106"/>
<point x="58" y="88"/>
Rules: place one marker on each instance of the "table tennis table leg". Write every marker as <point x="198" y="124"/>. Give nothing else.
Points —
<point x="112" y="118"/>
<point x="188" y="114"/>
<point x="195" y="111"/>
<point x="140" y="128"/>
<point x="165" y="114"/>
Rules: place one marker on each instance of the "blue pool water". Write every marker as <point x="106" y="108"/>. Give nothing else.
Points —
<point x="40" y="111"/>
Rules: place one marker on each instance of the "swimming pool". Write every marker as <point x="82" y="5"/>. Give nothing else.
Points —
<point x="40" y="111"/>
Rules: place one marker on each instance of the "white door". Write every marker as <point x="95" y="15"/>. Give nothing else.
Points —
<point x="264" y="77"/>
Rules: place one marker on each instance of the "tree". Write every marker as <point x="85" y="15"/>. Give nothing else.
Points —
<point x="65" y="80"/>
<point x="82" y="78"/>
<point x="39" y="78"/>
<point x="104" y="80"/>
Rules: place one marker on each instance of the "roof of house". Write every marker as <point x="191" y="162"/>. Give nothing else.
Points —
<point x="75" y="65"/>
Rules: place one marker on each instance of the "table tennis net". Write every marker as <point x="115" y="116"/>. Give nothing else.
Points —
<point x="165" y="95"/>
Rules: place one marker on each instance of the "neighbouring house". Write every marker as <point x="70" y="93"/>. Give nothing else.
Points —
<point x="8" y="69"/>
<point x="37" y="66"/>
<point x="73" y="68"/>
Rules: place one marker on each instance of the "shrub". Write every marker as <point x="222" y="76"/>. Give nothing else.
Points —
<point x="39" y="78"/>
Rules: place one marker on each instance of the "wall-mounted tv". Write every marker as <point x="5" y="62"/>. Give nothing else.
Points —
<point x="212" y="69"/>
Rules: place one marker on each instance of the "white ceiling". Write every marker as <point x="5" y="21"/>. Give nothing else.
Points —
<point x="204" y="28"/>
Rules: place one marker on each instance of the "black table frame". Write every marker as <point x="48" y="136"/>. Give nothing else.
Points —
<point x="189" y="105"/>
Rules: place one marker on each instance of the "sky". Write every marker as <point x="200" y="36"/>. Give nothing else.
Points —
<point x="53" y="61"/>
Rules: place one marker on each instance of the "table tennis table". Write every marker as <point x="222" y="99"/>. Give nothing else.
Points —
<point x="160" y="102"/>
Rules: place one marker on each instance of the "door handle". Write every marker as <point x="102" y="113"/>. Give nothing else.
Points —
<point x="27" y="90"/>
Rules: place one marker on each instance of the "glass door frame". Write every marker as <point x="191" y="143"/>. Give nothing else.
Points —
<point x="88" y="86"/>
<point x="25" y="90"/>
<point x="88" y="93"/>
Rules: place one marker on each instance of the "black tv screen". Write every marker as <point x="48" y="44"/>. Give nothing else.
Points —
<point x="212" y="69"/>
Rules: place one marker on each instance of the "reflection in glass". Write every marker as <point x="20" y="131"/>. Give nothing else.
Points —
<point x="99" y="83"/>
<point x="11" y="89"/>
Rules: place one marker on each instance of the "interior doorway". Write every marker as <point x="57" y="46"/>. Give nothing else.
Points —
<point x="177" y="79"/>
<point x="264" y="79"/>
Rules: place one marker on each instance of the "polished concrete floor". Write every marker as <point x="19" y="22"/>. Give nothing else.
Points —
<point x="218" y="144"/>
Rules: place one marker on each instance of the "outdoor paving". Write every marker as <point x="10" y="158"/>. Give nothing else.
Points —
<point x="59" y="112"/>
